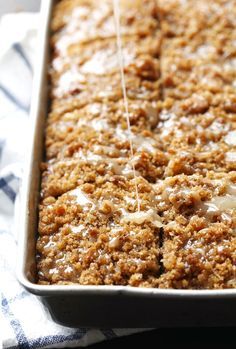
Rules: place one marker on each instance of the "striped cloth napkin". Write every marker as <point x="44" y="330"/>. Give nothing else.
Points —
<point x="24" y="321"/>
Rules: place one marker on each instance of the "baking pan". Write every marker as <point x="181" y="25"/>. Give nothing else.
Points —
<point x="100" y="306"/>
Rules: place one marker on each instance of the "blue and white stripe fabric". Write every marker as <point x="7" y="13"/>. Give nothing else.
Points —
<point x="24" y="322"/>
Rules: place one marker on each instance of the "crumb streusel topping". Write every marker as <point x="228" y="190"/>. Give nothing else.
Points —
<point x="180" y="60"/>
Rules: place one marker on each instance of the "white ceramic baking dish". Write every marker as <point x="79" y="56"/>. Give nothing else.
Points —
<point x="100" y="306"/>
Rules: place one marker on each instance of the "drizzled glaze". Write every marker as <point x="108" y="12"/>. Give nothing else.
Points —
<point x="120" y="55"/>
<point x="90" y="231"/>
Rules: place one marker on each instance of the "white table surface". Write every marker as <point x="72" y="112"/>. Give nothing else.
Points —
<point x="7" y="6"/>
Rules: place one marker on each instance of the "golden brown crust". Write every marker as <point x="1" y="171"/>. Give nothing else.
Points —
<point x="180" y="75"/>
